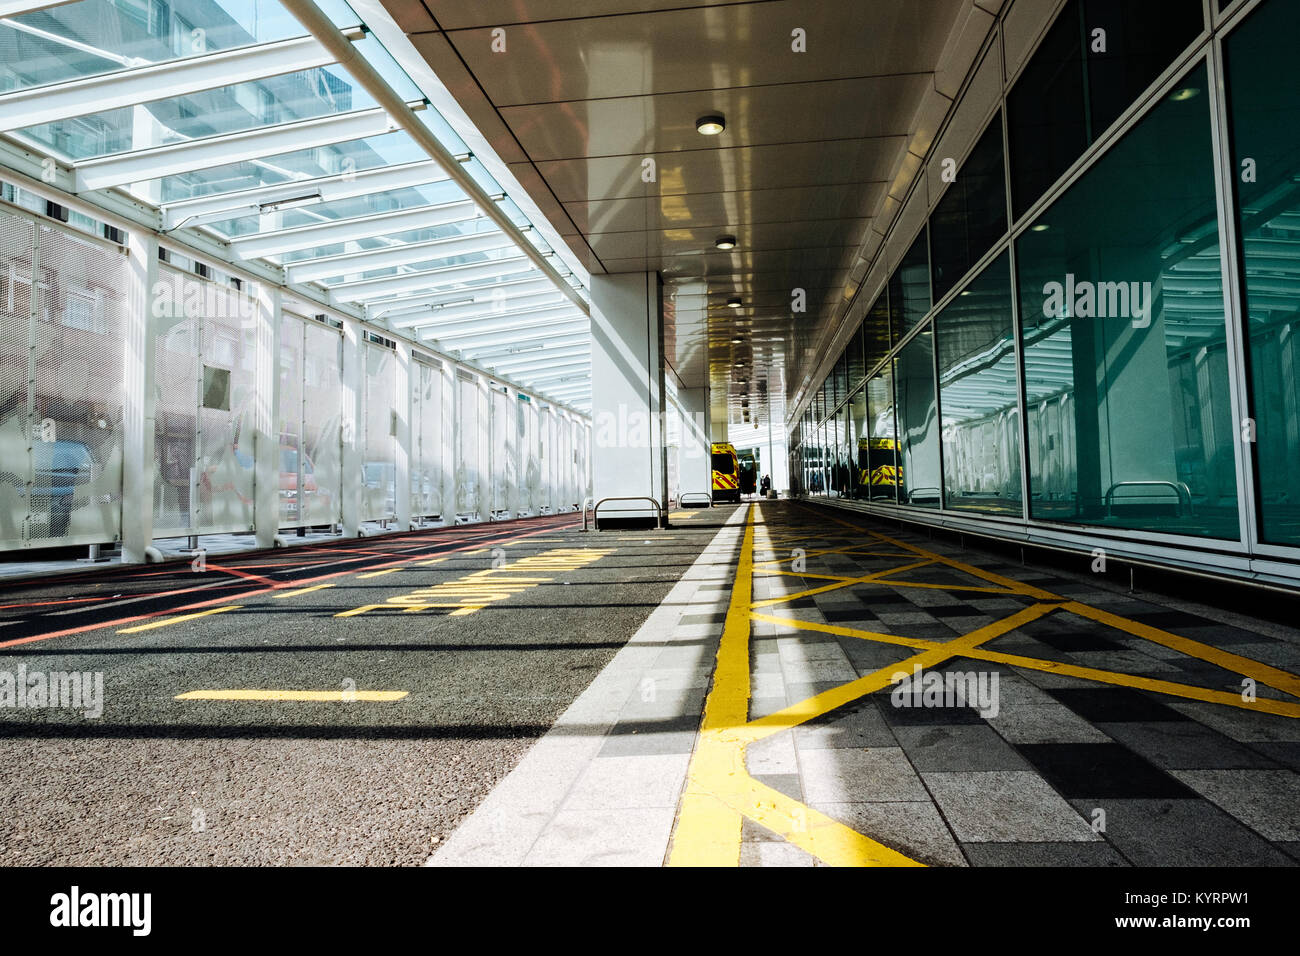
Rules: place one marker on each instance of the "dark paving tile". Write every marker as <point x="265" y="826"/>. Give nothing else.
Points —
<point x="751" y="832"/>
<point x="848" y="616"/>
<point x="1042" y="854"/>
<point x="787" y="783"/>
<point x="958" y="747"/>
<point x="955" y="610"/>
<point x="1167" y="620"/>
<point x="1099" y="771"/>
<point x="1185" y="745"/>
<point x="1220" y="635"/>
<point x="924" y="716"/>
<point x="1181" y="833"/>
<point x="1287" y="753"/>
<point x="1113" y="704"/>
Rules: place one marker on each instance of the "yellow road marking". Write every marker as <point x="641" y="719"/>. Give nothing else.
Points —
<point x="359" y="610"/>
<point x="1280" y="708"/>
<point x="176" y="620"/>
<point x="375" y="574"/>
<point x="1272" y="676"/>
<point x="842" y="583"/>
<point x="425" y="564"/>
<point x="314" y="587"/>
<point x="719" y="788"/>
<point x="346" y="696"/>
<point x="936" y="653"/>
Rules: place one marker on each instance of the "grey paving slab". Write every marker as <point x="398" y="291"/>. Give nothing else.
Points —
<point x="1005" y="806"/>
<point x="914" y="829"/>
<point x="1267" y="801"/>
<point x="853" y="775"/>
<point x="1181" y="833"/>
<point x="1185" y="745"/>
<point x="774" y="754"/>
<point x="763" y="853"/>
<point x="1043" y="854"/>
<point x="787" y="783"/>
<point x="958" y="747"/>
<point x="859" y="725"/>
<point x="1239" y="723"/>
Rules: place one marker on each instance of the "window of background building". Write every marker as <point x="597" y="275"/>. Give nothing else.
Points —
<point x="1079" y="81"/>
<point x="1266" y="155"/>
<point x="972" y="215"/>
<point x="1121" y="306"/>
<point x="882" y="438"/>
<point x="978" y="395"/>
<point x="918" y="423"/>
<point x="875" y="331"/>
<point x="909" y="289"/>
<point x="858" y="438"/>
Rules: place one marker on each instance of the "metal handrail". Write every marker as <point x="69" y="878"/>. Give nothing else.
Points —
<point x="595" y="511"/>
<point x="1183" y="493"/>
<point x="708" y="498"/>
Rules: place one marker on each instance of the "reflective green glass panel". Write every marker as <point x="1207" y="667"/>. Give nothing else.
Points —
<point x="918" y="422"/>
<point x="882" y="438"/>
<point x="1266" y="155"/>
<point x="978" y="395"/>
<point x="1121" y="303"/>
<point x="909" y="289"/>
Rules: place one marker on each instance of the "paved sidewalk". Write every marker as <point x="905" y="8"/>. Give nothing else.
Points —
<point x="602" y="786"/>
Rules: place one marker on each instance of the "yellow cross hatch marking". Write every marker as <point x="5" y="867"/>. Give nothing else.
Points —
<point x="719" y="791"/>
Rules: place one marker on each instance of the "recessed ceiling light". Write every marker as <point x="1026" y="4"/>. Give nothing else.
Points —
<point x="736" y="341"/>
<point x="733" y="303"/>
<point x="725" y="242"/>
<point x="1041" y="227"/>
<point x="711" y="125"/>
<point x="1186" y="93"/>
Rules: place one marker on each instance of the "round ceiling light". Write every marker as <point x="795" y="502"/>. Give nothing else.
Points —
<point x="725" y="242"/>
<point x="733" y="303"/>
<point x="711" y="125"/>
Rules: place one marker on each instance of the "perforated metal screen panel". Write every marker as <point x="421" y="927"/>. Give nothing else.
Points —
<point x="226" y="422"/>
<point x="322" y="410"/>
<point x="17" y="248"/>
<point x="503" y="464"/>
<point x="290" y="462"/>
<point x="76" y="391"/>
<point x="426" y="439"/>
<point x="379" y="448"/>
<point x="467" y="444"/>
<point x="176" y="395"/>
<point x="532" y="460"/>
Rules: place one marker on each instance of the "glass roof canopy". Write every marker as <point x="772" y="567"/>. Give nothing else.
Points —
<point x="283" y="128"/>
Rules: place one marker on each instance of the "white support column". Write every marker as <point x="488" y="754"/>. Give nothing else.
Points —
<point x="402" y="451"/>
<point x="350" y="459"/>
<point x="484" y="449"/>
<point x="266" y="428"/>
<point x="447" y="440"/>
<point x="138" y="400"/>
<point x="694" y="466"/>
<point x="627" y="387"/>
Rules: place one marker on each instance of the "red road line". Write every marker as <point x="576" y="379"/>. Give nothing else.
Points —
<point x="237" y="597"/>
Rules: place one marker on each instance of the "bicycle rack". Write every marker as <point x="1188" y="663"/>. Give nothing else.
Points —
<point x="595" y="511"/>
<point x="708" y="498"/>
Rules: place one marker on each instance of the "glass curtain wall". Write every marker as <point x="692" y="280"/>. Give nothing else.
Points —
<point x="1108" y="307"/>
